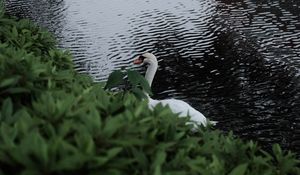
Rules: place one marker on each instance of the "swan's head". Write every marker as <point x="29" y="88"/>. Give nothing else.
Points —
<point x="146" y="58"/>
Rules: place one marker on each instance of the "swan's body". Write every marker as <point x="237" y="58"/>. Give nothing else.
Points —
<point x="177" y="106"/>
<point x="181" y="108"/>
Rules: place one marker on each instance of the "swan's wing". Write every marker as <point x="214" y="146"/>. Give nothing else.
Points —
<point x="152" y="103"/>
<point x="184" y="109"/>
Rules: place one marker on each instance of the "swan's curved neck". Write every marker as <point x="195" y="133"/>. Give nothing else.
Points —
<point x="150" y="73"/>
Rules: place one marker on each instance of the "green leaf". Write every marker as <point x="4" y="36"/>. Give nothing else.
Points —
<point x="98" y="161"/>
<point x="70" y="162"/>
<point x="157" y="170"/>
<point x="17" y="90"/>
<point x="1" y="9"/>
<point x="90" y="147"/>
<point x="140" y="157"/>
<point x="160" y="158"/>
<point x="41" y="148"/>
<point x="7" y="108"/>
<point x="114" y="152"/>
<point x="277" y="150"/>
<point x="85" y="142"/>
<point x="27" y="45"/>
<point x="112" y="126"/>
<point x="115" y="78"/>
<point x="239" y="170"/>
<point x="9" y="81"/>
<point x="146" y="87"/>
<point x="136" y="79"/>
<point x="15" y="32"/>
<point x="7" y="135"/>
<point x="138" y="93"/>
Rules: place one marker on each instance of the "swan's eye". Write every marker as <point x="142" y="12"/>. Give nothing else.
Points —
<point x="139" y="60"/>
<point x="142" y="57"/>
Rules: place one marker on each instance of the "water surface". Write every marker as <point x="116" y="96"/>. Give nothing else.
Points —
<point x="235" y="61"/>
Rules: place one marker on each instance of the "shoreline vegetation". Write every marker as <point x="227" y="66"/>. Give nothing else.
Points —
<point x="55" y="121"/>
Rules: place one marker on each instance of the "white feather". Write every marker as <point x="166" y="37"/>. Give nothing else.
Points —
<point x="181" y="108"/>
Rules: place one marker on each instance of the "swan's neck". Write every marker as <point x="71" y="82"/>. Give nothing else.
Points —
<point x="150" y="73"/>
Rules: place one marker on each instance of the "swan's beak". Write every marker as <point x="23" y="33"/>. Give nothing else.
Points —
<point x="138" y="60"/>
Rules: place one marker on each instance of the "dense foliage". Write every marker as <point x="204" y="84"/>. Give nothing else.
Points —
<point x="55" y="121"/>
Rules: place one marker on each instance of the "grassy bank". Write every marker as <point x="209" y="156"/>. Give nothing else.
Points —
<point x="55" y="121"/>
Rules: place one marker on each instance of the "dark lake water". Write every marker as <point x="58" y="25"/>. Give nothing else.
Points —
<point x="236" y="61"/>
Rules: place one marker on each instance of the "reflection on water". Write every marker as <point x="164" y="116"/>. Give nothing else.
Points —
<point x="236" y="61"/>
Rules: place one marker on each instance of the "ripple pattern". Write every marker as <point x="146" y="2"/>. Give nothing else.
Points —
<point x="236" y="61"/>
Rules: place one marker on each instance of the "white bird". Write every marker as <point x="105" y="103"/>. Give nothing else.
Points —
<point x="177" y="106"/>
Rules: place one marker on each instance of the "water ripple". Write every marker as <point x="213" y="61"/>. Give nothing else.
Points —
<point x="236" y="61"/>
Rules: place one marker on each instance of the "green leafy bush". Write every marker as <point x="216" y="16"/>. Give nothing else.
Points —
<point x="55" y="121"/>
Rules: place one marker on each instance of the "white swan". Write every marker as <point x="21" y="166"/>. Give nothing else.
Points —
<point x="177" y="106"/>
